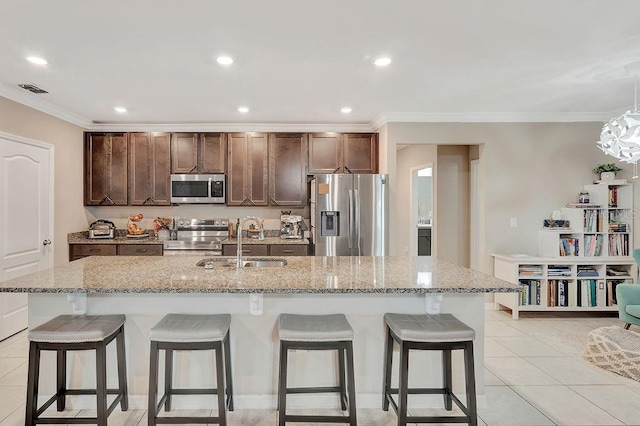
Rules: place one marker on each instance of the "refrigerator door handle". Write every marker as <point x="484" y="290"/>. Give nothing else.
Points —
<point x="356" y="217"/>
<point x="351" y="212"/>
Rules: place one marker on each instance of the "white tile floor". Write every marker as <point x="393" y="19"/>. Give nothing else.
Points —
<point x="534" y="375"/>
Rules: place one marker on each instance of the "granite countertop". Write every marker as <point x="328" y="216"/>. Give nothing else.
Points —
<point x="267" y="240"/>
<point x="121" y="238"/>
<point x="302" y="274"/>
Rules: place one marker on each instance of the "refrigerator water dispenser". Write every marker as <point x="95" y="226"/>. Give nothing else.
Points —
<point x="329" y="224"/>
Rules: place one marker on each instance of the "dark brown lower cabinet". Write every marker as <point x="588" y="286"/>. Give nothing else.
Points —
<point x="266" y="249"/>
<point x="78" y="251"/>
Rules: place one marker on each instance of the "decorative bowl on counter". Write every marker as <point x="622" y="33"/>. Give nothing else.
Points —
<point x="132" y="225"/>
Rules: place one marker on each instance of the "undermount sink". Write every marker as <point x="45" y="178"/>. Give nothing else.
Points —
<point x="212" y="263"/>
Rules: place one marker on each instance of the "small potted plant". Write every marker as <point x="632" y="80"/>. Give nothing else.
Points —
<point x="607" y="171"/>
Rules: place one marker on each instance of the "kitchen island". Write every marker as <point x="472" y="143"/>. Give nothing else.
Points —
<point x="363" y="288"/>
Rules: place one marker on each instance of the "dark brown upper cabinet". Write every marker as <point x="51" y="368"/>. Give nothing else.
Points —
<point x="247" y="169"/>
<point x="287" y="169"/>
<point x="105" y="167"/>
<point x="343" y="153"/>
<point x="202" y="153"/>
<point x="149" y="169"/>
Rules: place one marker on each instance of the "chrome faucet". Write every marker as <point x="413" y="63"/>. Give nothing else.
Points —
<point x="258" y="221"/>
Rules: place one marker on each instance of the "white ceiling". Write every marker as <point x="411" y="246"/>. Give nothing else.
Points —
<point x="301" y="61"/>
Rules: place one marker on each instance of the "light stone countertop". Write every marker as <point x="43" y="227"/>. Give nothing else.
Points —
<point x="267" y="241"/>
<point x="303" y="274"/>
<point x="121" y="238"/>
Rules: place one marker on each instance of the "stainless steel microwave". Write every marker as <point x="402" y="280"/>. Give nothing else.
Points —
<point x="197" y="189"/>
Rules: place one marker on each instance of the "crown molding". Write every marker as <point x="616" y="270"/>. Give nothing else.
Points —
<point x="490" y="117"/>
<point x="230" y="127"/>
<point x="32" y="100"/>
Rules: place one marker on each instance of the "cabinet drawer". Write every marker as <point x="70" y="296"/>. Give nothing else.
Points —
<point x="288" y="250"/>
<point x="139" y="250"/>
<point x="247" y="250"/>
<point x="93" y="250"/>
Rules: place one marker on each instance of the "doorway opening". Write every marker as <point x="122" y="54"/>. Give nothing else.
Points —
<point x="422" y="218"/>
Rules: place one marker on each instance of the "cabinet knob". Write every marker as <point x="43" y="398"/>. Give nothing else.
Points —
<point x="46" y="242"/>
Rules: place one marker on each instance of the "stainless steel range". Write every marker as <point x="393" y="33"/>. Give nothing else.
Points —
<point x="198" y="236"/>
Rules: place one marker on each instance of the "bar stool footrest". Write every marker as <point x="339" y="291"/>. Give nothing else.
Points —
<point x="422" y="391"/>
<point x="186" y="420"/>
<point x="326" y="389"/>
<point x="316" y="419"/>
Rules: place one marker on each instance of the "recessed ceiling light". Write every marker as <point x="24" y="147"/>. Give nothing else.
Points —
<point x="36" y="60"/>
<point x="345" y="110"/>
<point x="120" y="109"/>
<point x="225" y="60"/>
<point x="382" y="62"/>
<point x="243" y="109"/>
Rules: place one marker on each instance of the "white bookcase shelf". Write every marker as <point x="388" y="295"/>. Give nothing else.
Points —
<point x="566" y="284"/>
<point x="603" y="231"/>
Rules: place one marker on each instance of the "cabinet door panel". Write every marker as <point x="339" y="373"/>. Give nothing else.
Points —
<point x="325" y="153"/>
<point x="288" y="250"/>
<point x="184" y="153"/>
<point x="360" y="153"/>
<point x="236" y="169"/>
<point x="287" y="170"/>
<point x="149" y="169"/>
<point x="212" y="154"/>
<point x="161" y="169"/>
<point x="106" y="169"/>
<point x="258" y="169"/>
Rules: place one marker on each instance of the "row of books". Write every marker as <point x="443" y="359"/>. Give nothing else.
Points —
<point x="587" y="271"/>
<point x="617" y="227"/>
<point x="569" y="293"/>
<point x="569" y="246"/>
<point x="530" y="270"/>
<point x="592" y="221"/>
<point x="559" y="270"/>
<point x="593" y="245"/>
<point x="619" y="245"/>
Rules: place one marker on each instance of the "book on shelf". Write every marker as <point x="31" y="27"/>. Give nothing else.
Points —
<point x="569" y="246"/>
<point x="619" y="244"/>
<point x="611" y="181"/>
<point x="559" y="270"/>
<point x="617" y="227"/>
<point x="531" y="292"/>
<point x="612" y="299"/>
<point x="615" y="272"/>
<point x="587" y="271"/>
<point x="583" y="206"/>
<point x="593" y="245"/>
<point x="613" y="197"/>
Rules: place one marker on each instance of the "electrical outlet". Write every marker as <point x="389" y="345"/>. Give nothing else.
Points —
<point x="514" y="222"/>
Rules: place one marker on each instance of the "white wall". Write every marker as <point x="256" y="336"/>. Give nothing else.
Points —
<point x="527" y="170"/>
<point x="453" y="218"/>
<point x="69" y="213"/>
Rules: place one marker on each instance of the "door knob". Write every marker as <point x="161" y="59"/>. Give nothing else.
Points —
<point x="46" y="242"/>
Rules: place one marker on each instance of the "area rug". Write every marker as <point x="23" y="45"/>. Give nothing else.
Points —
<point x="615" y="349"/>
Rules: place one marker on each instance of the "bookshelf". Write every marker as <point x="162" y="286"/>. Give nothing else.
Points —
<point x="565" y="284"/>
<point x="602" y="229"/>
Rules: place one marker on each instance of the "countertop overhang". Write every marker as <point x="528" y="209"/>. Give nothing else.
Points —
<point x="303" y="274"/>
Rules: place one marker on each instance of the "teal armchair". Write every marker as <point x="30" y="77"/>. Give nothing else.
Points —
<point x="628" y="297"/>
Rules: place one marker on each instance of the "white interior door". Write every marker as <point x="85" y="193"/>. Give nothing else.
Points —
<point x="26" y="202"/>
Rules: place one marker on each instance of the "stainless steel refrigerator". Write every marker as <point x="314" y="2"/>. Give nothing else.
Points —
<point x="350" y="214"/>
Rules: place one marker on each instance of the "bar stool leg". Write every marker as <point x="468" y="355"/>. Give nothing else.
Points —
<point x="101" y="383"/>
<point x="153" y="384"/>
<point x="61" y="379"/>
<point x="168" y="377"/>
<point x="403" y="385"/>
<point x="227" y="369"/>
<point x="446" y="373"/>
<point x="222" y="412"/>
<point x="351" y="385"/>
<point x="282" y="384"/>
<point x="388" y="357"/>
<point x="471" y="384"/>
<point x="32" y="384"/>
<point x="122" y="370"/>
<point x="343" y="378"/>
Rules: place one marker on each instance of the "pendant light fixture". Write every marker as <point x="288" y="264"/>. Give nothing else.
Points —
<point x="620" y="137"/>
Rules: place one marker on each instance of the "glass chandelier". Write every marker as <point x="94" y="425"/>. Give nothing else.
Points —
<point x="620" y="137"/>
